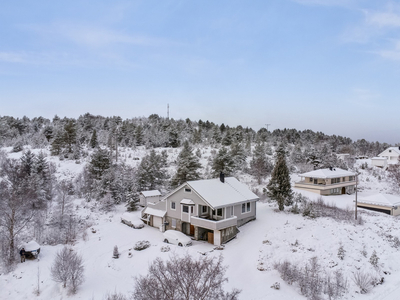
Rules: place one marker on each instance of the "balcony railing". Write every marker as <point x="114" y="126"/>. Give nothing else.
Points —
<point x="321" y="186"/>
<point x="213" y="224"/>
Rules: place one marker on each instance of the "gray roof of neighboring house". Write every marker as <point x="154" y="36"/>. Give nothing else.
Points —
<point x="380" y="200"/>
<point x="151" y="193"/>
<point x="328" y="173"/>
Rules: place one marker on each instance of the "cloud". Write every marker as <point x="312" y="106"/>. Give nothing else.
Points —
<point x="391" y="54"/>
<point x="383" y="19"/>
<point x="11" y="57"/>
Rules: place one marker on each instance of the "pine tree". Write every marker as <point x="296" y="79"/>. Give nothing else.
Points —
<point x="279" y="187"/>
<point x="70" y="134"/>
<point x="99" y="163"/>
<point x="223" y="162"/>
<point x="93" y="140"/>
<point x="260" y="166"/>
<point x="151" y="173"/>
<point x="27" y="162"/>
<point x="238" y="155"/>
<point x="188" y="164"/>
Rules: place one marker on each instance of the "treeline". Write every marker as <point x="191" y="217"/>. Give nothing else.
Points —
<point x="69" y="136"/>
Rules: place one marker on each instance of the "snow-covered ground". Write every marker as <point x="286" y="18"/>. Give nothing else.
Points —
<point x="273" y="237"/>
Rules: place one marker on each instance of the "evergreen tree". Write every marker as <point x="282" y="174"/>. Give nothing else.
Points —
<point x="223" y="162"/>
<point x="260" y="165"/>
<point x="151" y="173"/>
<point x="188" y="164"/>
<point x="70" y="134"/>
<point x="279" y="187"/>
<point x="238" y="155"/>
<point x="28" y="162"/>
<point x="99" y="163"/>
<point x="93" y="141"/>
<point x="57" y="143"/>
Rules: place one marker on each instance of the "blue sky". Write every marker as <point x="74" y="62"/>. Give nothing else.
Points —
<point x="326" y="65"/>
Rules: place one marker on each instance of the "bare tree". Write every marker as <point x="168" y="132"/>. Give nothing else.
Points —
<point x="76" y="271"/>
<point x="68" y="268"/>
<point x="16" y="209"/>
<point x="60" y="268"/>
<point x="115" y="296"/>
<point x="184" y="278"/>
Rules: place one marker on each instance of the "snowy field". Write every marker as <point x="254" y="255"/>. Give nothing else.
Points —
<point x="273" y="237"/>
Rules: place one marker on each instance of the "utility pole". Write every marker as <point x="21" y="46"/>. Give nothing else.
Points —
<point x="267" y="126"/>
<point x="356" y="198"/>
<point x="168" y="111"/>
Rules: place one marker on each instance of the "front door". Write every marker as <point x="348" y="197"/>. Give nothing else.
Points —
<point x="210" y="237"/>
<point x="191" y="229"/>
<point x="343" y="190"/>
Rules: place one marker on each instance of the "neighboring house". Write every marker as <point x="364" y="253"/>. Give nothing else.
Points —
<point x="380" y="162"/>
<point x="330" y="181"/>
<point x="209" y="210"/>
<point x="149" y="197"/>
<point x="343" y="156"/>
<point x="388" y="204"/>
<point x="391" y="154"/>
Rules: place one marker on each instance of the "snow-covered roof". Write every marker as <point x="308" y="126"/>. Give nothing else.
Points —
<point x="380" y="200"/>
<point x="395" y="149"/>
<point x="219" y="194"/>
<point x="31" y="246"/>
<point x="188" y="202"/>
<point x="152" y="193"/>
<point x="379" y="158"/>
<point x="128" y="217"/>
<point x="154" y="212"/>
<point x="328" y="173"/>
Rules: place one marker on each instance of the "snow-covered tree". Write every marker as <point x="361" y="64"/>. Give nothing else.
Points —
<point x="187" y="166"/>
<point x="279" y="187"/>
<point x="151" y="173"/>
<point x="223" y="162"/>
<point x="260" y="165"/>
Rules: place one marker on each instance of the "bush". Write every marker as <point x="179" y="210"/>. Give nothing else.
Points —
<point x="184" y="278"/>
<point x="141" y="245"/>
<point x="374" y="259"/>
<point x="363" y="281"/>
<point x="341" y="252"/>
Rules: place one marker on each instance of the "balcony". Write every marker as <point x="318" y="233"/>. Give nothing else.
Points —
<point x="322" y="186"/>
<point x="213" y="224"/>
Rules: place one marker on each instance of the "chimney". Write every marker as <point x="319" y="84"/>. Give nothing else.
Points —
<point x="222" y="177"/>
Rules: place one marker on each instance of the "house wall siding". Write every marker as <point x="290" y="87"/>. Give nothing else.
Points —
<point x="177" y="198"/>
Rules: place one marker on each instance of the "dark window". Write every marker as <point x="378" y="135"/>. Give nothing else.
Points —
<point x="248" y="206"/>
<point x="243" y="207"/>
<point x="187" y="190"/>
<point x="173" y="205"/>
<point x="204" y="209"/>
<point x="311" y="180"/>
<point x="185" y="209"/>
<point x="219" y="212"/>
<point x="191" y="209"/>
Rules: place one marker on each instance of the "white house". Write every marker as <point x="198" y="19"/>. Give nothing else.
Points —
<point x="209" y="210"/>
<point x="380" y="162"/>
<point x="330" y="181"/>
<point x="391" y="154"/>
<point x="388" y="204"/>
<point x="343" y="156"/>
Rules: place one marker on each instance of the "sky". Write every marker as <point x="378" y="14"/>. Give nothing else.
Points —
<point x="326" y="65"/>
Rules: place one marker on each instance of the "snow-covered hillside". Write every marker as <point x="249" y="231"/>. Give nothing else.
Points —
<point x="272" y="238"/>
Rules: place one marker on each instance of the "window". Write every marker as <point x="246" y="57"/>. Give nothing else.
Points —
<point x="390" y="150"/>
<point x="335" y="180"/>
<point x="351" y="178"/>
<point x="185" y="208"/>
<point x="204" y="209"/>
<point x="173" y="223"/>
<point x="243" y="208"/>
<point x="219" y="212"/>
<point x="248" y="206"/>
<point x="172" y="205"/>
<point x="310" y="179"/>
<point x="188" y="190"/>
<point x="232" y="213"/>
<point x="344" y="179"/>
<point x="191" y="209"/>
<point x="335" y="191"/>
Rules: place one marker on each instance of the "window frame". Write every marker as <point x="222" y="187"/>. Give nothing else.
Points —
<point x="248" y="207"/>
<point x="243" y="208"/>
<point x="187" y="190"/>
<point x="220" y="212"/>
<point x="173" y="205"/>
<point x="185" y="207"/>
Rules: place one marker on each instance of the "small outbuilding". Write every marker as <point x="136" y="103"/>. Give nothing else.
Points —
<point x="147" y="197"/>
<point x="32" y="249"/>
<point x="385" y="203"/>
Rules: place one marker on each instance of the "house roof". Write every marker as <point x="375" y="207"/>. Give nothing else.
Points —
<point x="395" y="149"/>
<point x="379" y="158"/>
<point x="219" y="194"/>
<point x="380" y="200"/>
<point x="151" y="193"/>
<point x="154" y="212"/>
<point x="31" y="246"/>
<point x="328" y="173"/>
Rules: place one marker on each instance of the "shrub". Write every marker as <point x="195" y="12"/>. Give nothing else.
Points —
<point x="141" y="245"/>
<point x="363" y="281"/>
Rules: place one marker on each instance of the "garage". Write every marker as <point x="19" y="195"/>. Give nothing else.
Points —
<point x="157" y="221"/>
<point x="383" y="203"/>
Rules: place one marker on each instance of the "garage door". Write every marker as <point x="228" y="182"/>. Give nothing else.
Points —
<point x="386" y="211"/>
<point x="157" y="221"/>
